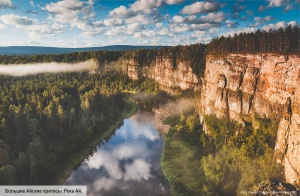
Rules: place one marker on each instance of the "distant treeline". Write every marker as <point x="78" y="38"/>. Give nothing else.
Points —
<point x="283" y="41"/>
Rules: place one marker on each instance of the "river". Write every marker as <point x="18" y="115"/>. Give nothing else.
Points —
<point x="128" y="163"/>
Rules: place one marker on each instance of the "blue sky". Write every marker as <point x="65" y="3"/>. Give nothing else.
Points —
<point x="86" y="23"/>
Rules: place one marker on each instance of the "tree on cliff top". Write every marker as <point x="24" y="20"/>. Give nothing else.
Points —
<point x="284" y="41"/>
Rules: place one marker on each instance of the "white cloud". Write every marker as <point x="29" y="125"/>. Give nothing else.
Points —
<point x="113" y="22"/>
<point x="231" y="24"/>
<point x="287" y="4"/>
<point x="164" y="31"/>
<point x="15" y="20"/>
<point x="31" y="26"/>
<point x="145" y="6"/>
<point x="2" y="26"/>
<point x="64" y="11"/>
<point x="277" y="3"/>
<point x="121" y="12"/>
<point x="278" y="25"/>
<point x="171" y="2"/>
<point x="135" y="27"/>
<point x="201" y="7"/>
<point x="31" y="3"/>
<point x="88" y="28"/>
<point x="244" y="30"/>
<point x="198" y="33"/>
<point x="77" y="14"/>
<point x="159" y="25"/>
<point x="178" y="19"/>
<point x="5" y="4"/>
<point x="44" y="30"/>
<point x="213" y="18"/>
<point x="259" y="20"/>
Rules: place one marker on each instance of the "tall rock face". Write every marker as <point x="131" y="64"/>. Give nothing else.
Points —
<point x="238" y="86"/>
<point x="167" y="73"/>
<point x="170" y="73"/>
<point x="131" y="67"/>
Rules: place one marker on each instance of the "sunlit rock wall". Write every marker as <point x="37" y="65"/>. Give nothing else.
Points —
<point x="237" y="86"/>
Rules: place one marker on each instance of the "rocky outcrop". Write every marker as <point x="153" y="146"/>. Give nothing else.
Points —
<point x="167" y="72"/>
<point x="238" y="86"/>
<point x="131" y="67"/>
<point x="170" y="73"/>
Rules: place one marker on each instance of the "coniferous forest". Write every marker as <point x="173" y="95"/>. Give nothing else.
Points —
<point x="283" y="41"/>
<point x="46" y="118"/>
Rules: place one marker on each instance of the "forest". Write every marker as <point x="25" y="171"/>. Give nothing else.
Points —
<point x="231" y="159"/>
<point x="46" y="118"/>
<point x="284" y="41"/>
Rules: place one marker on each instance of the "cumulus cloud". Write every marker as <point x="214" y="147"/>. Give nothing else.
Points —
<point x="31" y="26"/>
<point x="76" y="13"/>
<point x="5" y="4"/>
<point x="113" y="22"/>
<point x="121" y="12"/>
<point x="259" y="20"/>
<point x="145" y="6"/>
<point x="231" y="24"/>
<point x="286" y="4"/>
<point x="212" y="18"/>
<point x="278" y="25"/>
<point x="12" y="19"/>
<point x="64" y="11"/>
<point x="201" y="7"/>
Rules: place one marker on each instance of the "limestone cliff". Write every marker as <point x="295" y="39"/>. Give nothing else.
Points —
<point x="171" y="73"/>
<point x="167" y="72"/>
<point x="237" y="86"/>
<point x="131" y="67"/>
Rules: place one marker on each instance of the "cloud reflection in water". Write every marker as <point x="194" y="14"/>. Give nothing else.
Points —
<point x="127" y="163"/>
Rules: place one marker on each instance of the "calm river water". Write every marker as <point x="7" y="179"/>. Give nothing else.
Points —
<point x="128" y="163"/>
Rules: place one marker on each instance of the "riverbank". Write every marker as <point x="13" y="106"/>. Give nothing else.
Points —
<point x="180" y="163"/>
<point x="78" y="157"/>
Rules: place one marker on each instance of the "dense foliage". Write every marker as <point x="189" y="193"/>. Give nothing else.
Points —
<point x="232" y="159"/>
<point x="282" y="40"/>
<point x="195" y="53"/>
<point x="45" y="119"/>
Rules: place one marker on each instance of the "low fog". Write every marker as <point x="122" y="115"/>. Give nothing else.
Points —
<point x="18" y="70"/>
<point x="181" y="105"/>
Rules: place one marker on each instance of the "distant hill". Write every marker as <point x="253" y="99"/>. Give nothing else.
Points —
<point x="26" y="50"/>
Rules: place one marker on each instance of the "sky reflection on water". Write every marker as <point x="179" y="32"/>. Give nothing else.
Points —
<point x="128" y="164"/>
